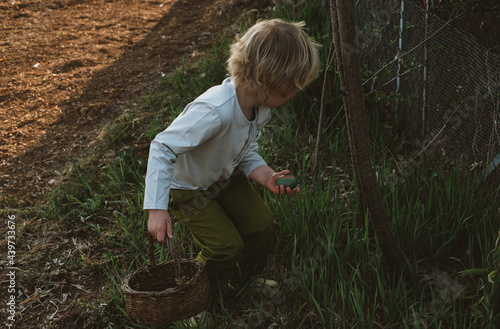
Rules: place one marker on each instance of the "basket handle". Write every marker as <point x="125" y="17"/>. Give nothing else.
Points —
<point x="177" y="265"/>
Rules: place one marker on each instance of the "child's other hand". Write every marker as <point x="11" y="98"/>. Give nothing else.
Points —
<point x="159" y="223"/>
<point x="280" y="189"/>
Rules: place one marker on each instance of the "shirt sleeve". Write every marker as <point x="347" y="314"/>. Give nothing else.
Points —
<point x="191" y="128"/>
<point x="252" y="159"/>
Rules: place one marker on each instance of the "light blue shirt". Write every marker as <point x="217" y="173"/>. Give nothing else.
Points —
<point x="203" y="145"/>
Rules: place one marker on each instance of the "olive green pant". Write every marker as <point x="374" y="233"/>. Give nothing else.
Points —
<point x="231" y="223"/>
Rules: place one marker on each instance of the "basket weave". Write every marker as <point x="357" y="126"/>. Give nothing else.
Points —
<point x="157" y="295"/>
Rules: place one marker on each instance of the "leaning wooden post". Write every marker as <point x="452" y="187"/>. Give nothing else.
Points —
<point x="347" y="51"/>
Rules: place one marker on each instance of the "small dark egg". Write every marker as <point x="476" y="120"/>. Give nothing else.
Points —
<point x="288" y="181"/>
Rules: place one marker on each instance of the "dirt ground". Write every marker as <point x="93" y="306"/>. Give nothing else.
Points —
<point x="67" y="67"/>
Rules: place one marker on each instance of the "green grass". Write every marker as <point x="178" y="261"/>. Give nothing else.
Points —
<point x="327" y="258"/>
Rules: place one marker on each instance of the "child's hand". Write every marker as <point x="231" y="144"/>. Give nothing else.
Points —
<point x="159" y="223"/>
<point x="280" y="190"/>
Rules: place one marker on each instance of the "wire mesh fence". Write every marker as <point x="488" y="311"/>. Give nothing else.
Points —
<point x="440" y="73"/>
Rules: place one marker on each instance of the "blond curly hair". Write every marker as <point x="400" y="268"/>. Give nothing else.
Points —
<point x="274" y="56"/>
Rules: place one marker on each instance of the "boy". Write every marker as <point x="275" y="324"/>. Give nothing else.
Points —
<point x="200" y="166"/>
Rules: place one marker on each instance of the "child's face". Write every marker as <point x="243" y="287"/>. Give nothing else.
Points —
<point x="276" y="100"/>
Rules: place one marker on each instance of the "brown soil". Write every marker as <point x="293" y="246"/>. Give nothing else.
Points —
<point x="68" y="67"/>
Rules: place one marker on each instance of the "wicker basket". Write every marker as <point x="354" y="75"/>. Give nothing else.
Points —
<point x="157" y="295"/>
